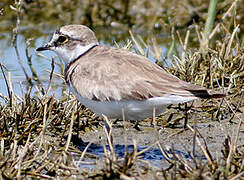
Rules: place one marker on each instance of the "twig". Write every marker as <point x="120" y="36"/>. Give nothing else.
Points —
<point x="41" y="136"/>
<point x="228" y="48"/>
<point x="238" y="105"/>
<point x="22" y="155"/>
<point x="6" y="82"/>
<point x="204" y="149"/>
<point x="51" y="76"/>
<point x="125" y="134"/>
<point x="108" y="132"/>
<point x="137" y="44"/>
<point x="14" y="38"/>
<point x="29" y="60"/>
<point x="70" y="128"/>
<point x="84" y="151"/>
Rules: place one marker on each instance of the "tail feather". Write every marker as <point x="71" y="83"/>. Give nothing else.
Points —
<point x="207" y="94"/>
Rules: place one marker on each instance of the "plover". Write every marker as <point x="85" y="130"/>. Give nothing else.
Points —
<point x="113" y="81"/>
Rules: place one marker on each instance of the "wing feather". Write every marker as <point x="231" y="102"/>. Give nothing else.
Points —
<point x="110" y="74"/>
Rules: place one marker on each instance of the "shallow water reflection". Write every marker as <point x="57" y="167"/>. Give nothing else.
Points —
<point x="154" y="155"/>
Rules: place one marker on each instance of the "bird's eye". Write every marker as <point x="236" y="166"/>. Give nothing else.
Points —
<point x="62" y="39"/>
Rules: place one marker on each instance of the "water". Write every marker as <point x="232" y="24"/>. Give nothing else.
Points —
<point x="9" y="59"/>
<point x="153" y="155"/>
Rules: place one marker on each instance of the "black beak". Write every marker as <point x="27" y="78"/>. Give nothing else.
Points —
<point x="44" y="48"/>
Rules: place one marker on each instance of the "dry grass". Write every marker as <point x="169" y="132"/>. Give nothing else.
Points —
<point x="39" y="133"/>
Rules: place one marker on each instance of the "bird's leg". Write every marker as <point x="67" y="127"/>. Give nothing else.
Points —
<point x="186" y="116"/>
<point x="186" y="109"/>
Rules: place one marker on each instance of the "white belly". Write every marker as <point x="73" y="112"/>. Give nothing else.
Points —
<point x="133" y="110"/>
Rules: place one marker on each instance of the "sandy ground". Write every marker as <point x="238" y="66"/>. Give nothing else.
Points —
<point x="178" y="139"/>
